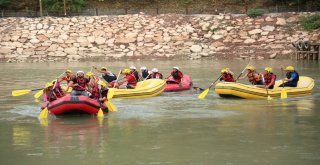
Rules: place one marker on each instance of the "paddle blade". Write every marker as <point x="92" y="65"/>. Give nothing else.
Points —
<point x="111" y="107"/>
<point x="284" y="94"/>
<point x="44" y="113"/>
<point x="269" y="97"/>
<point x="203" y="94"/>
<point x="38" y="94"/>
<point x="100" y="113"/>
<point x="110" y="93"/>
<point x="20" y="92"/>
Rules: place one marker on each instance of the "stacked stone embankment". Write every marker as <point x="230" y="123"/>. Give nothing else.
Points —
<point x="144" y="36"/>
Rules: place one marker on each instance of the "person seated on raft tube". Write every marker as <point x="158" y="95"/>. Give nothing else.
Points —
<point x="128" y="82"/>
<point x="292" y="77"/>
<point x="226" y="75"/>
<point x="52" y="91"/>
<point x="156" y="74"/>
<point x="79" y="84"/>
<point x="175" y="76"/>
<point x="144" y="73"/>
<point x="269" y="79"/>
<point x="254" y="77"/>
<point x="108" y="76"/>
<point x="134" y="72"/>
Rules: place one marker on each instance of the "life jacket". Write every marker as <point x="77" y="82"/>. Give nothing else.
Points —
<point x="144" y="74"/>
<point x="67" y="78"/>
<point x="156" y="75"/>
<point x="268" y="78"/>
<point x="58" y="92"/>
<point x="177" y="75"/>
<point x="49" y="95"/>
<point x="82" y="84"/>
<point x="131" y="79"/>
<point x="227" y="77"/>
<point x="109" y="77"/>
<point x="254" y="79"/>
<point x="95" y="94"/>
<point x="289" y="76"/>
<point x="135" y="74"/>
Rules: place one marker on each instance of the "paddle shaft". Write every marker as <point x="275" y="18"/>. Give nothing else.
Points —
<point x="215" y="81"/>
<point x="242" y="72"/>
<point x="117" y="79"/>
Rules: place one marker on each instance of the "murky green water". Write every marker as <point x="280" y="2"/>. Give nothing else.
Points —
<point x="173" y="128"/>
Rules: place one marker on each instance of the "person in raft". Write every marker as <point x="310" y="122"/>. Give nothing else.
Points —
<point x="108" y="76"/>
<point x="226" y="75"/>
<point x="269" y="79"/>
<point x="99" y="92"/>
<point x="144" y="73"/>
<point x="68" y="77"/>
<point x="128" y="82"/>
<point x="156" y="74"/>
<point x="92" y="85"/>
<point x="253" y="77"/>
<point x="134" y="71"/>
<point x="292" y="77"/>
<point x="79" y="84"/>
<point x="52" y="91"/>
<point x="175" y="76"/>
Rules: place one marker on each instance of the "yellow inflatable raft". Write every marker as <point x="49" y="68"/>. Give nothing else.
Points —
<point x="225" y="89"/>
<point x="147" y="88"/>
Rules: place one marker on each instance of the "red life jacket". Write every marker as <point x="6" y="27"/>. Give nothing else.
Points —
<point x="177" y="76"/>
<point x="268" y="78"/>
<point x="254" y="79"/>
<point x="131" y="80"/>
<point x="95" y="92"/>
<point x="58" y="92"/>
<point x="82" y="84"/>
<point x="227" y="77"/>
<point x="156" y="75"/>
<point x="67" y="78"/>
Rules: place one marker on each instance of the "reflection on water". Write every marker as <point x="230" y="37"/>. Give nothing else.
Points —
<point x="173" y="128"/>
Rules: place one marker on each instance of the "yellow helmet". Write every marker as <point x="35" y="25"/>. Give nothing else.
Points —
<point x="89" y="74"/>
<point x="103" y="68"/>
<point x="126" y="71"/>
<point x="103" y="84"/>
<point x="251" y="68"/>
<point x="289" y="68"/>
<point x="268" y="69"/>
<point x="224" y="71"/>
<point x="68" y="71"/>
<point x="48" y="85"/>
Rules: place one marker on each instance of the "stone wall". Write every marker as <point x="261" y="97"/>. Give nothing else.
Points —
<point x="144" y="36"/>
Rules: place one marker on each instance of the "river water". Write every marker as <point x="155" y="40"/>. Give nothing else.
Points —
<point x="173" y="128"/>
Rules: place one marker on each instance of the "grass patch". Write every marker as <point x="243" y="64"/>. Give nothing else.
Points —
<point x="310" y="22"/>
<point x="255" y="12"/>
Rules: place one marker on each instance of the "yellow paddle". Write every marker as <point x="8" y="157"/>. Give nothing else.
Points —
<point x="269" y="97"/>
<point x="44" y="113"/>
<point x="23" y="91"/>
<point x="100" y="113"/>
<point x="111" y="107"/>
<point x="206" y="91"/>
<point x="283" y="91"/>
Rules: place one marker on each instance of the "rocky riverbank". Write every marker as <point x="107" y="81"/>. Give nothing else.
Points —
<point x="143" y="36"/>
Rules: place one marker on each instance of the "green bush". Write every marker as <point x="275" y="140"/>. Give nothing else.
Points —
<point x="310" y="22"/>
<point x="255" y="12"/>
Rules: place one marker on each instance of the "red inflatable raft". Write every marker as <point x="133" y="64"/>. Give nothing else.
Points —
<point x="186" y="83"/>
<point x="74" y="105"/>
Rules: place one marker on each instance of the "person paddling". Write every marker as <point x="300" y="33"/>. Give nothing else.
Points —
<point x="134" y="71"/>
<point x="52" y="91"/>
<point x="68" y="77"/>
<point x="156" y="74"/>
<point x="292" y="77"/>
<point x="253" y="77"/>
<point x="144" y="73"/>
<point x="108" y="76"/>
<point x="227" y="75"/>
<point x="269" y="79"/>
<point x="79" y="84"/>
<point x="175" y="76"/>
<point x="129" y="81"/>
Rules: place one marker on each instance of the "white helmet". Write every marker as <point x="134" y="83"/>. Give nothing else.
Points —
<point x="133" y="67"/>
<point x="155" y="70"/>
<point x="80" y="72"/>
<point x="175" y="67"/>
<point x="143" y="68"/>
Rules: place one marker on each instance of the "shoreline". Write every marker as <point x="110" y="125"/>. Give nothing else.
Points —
<point x="139" y="36"/>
